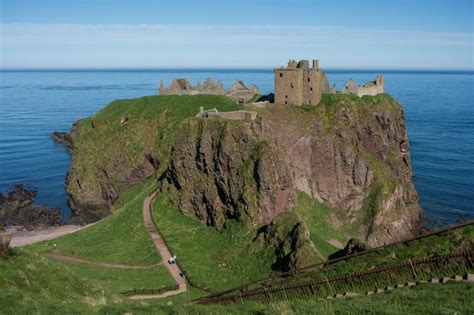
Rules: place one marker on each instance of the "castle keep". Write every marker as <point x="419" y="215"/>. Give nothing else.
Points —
<point x="298" y="84"/>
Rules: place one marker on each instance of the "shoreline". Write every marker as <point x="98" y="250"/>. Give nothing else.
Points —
<point x="21" y="237"/>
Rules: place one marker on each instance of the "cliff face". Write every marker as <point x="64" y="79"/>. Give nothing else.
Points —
<point x="351" y="154"/>
<point x="122" y="145"/>
<point x="101" y="168"/>
<point x="220" y="170"/>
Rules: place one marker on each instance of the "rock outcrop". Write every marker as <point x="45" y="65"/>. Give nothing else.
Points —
<point x="95" y="180"/>
<point x="348" y="156"/>
<point x="289" y="238"/>
<point x="17" y="208"/>
<point x="221" y="171"/>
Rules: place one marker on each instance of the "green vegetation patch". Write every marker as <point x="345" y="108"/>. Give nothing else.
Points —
<point x="30" y="283"/>
<point x="115" y="140"/>
<point x="120" y="238"/>
<point x="450" y="298"/>
<point x="211" y="258"/>
<point x="440" y="244"/>
<point x="116" y="280"/>
<point x="326" y="225"/>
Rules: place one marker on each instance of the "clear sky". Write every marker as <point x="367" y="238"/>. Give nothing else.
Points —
<point x="361" y="34"/>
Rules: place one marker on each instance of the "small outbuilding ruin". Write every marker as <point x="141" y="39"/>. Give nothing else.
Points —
<point x="370" y="88"/>
<point x="244" y="115"/>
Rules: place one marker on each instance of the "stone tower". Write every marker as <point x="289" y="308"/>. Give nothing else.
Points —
<point x="298" y="84"/>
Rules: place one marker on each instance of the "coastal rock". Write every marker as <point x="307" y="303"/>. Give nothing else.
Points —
<point x="104" y="165"/>
<point x="289" y="237"/>
<point x="346" y="156"/>
<point x="348" y="153"/>
<point x="66" y="138"/>
<point x="221" y="171"/>
<point x="87" y="207"/>
<point x="17" y="209"/>
<point x="63" y="138"/>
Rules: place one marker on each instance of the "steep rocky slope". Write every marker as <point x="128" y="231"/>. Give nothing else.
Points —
<point x="122" y="145"/>
<point x="349" y="154"/>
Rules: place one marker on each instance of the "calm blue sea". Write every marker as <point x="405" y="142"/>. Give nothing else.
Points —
<point x="439" y="108"/>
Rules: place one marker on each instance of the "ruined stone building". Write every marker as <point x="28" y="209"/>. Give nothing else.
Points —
<point x="298" y="84"/>
<point x="239" y="92"/>
<point x="370" y="88"/>
<point x="244" y="115"/>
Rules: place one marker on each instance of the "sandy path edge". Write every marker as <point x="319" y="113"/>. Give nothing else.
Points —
<point x="24" y="237"/>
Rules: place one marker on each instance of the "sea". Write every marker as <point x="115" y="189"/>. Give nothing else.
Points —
<point x="438" y="105"/>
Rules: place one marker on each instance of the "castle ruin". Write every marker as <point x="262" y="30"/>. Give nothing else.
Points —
<point x="239" y="92"/>
<point x="298" y="84"/>
<point x="370" y="88"/>
<point x="244" y="115"/>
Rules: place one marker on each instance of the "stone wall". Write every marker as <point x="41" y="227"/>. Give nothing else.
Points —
<point x="239" y="92"/>
<point x="233" y="115"/>
<point x="370" y="88"/>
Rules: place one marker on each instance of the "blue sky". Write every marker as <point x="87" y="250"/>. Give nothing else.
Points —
<point x="363" y="34"/>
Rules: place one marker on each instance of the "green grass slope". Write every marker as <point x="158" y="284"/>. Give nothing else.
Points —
<point x="327" y="226"/>
<point x="120" y="238"/>
<point x="30" y="283"/>
<point x="123" y="280"/>
<point x="212" y="258"/>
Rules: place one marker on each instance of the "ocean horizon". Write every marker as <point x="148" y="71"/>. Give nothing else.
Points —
<point x="438" y="106"/>
<point x="243" y="69"/>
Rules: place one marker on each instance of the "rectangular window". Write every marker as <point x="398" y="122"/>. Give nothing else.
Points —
<point x="281" y="75"/>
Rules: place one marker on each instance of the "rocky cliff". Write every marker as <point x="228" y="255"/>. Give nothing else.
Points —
<point x="350" y="154"/>
<point x="122" y="145"/>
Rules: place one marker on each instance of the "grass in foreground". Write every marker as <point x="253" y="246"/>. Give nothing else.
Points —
<point x="122" y="280"/>
<point x="30" y="283"/>
<point x="441" y="244"/>
<point x="33" y="284"/>
<point x="120" y="238"/>
<point x="212" y="258"/>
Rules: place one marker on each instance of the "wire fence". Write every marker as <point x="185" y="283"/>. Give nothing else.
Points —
<point x="151" y="291"/>
<point x="324" y="267"/>
<point x="410" y="270"/>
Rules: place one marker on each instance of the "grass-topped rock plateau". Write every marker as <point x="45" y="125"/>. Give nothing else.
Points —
<point x="197" y="204"/>
<point x="347" y="157"/>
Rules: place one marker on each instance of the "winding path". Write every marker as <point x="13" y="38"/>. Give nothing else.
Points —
<point x="165" y="253"/>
